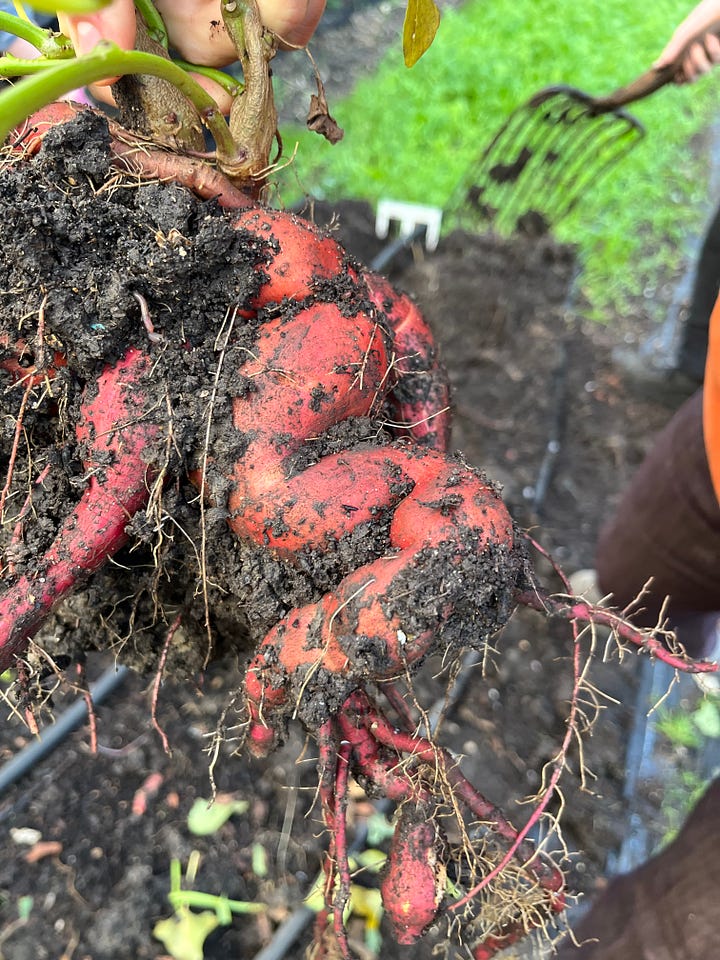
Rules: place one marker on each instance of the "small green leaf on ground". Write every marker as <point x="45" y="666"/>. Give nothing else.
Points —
<point x="707" y="719"/>
<point x="367" y="903"/>
<point x="679" y="728"/>
<point x="259" y="861"/>
<point x="422" y="19"/>
<point x="379" y="828"/>
<point x="184" y="934"/>
<point x="24" y="908"/>
<point x="206" y="818"/>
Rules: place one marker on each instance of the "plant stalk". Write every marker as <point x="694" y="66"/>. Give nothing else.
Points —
<point x="46" y="42"/>
<point x="253" y="117"/>
<point x="153" y="21"/>
<point x="48" y="81"/>
<point x="154" y="107"/>
<point x="201" y="900"/>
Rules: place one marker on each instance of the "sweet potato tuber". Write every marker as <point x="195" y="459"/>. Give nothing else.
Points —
<point x="422" y="381"/>
<point x="299" y="257"/>
<point x="413" y="884"/>
<point x="326" y="358"/>
<point x="119" y="436"/>
<point x="450" y="529"/>
<point x="17" y="359"/>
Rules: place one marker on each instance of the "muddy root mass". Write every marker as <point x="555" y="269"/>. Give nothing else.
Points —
<point x="94" y="258"/>
<point x="97" y="262"/>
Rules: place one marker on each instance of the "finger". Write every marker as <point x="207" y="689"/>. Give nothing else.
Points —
<point x="116" y="22"/>
<point x="218" y="93"/>
<point x="102" y="93"/>
<point x="712" y="46"/>
<point x="672" y="51"/>
<point x="294" y="21"/>
<point x="703" y="18"/>
<point x="697" y="62"/>
<point x="196" y="31"/>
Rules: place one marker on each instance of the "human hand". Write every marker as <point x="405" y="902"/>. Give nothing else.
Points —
<point x="702" y="55"/>
<point x="194" y="29"/>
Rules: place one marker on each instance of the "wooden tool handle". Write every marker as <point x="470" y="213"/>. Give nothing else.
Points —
<point x="652" y="80"/>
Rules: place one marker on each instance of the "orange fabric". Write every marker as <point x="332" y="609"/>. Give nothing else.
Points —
<point x="711" y="399"/>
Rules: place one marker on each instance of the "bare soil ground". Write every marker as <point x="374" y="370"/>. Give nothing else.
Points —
<point x="539" y="405"/>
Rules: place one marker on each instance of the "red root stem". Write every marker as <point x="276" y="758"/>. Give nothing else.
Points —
<point x="584" y="612"/>
<point x="157" y="683"/>
<point x="407" y="769"/>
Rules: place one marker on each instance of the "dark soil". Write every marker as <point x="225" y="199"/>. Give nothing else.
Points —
<point x="538" y="405"/>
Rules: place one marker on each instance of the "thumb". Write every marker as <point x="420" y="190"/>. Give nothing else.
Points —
<point x="116" y="23"/>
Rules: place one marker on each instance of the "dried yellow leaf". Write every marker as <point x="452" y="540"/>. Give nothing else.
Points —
<point x="422" y="19"/>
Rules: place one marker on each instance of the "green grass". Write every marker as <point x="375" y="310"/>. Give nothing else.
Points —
<point x="413" y="134"/>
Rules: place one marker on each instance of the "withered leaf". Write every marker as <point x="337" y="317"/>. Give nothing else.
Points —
<point x="319" y="119"/>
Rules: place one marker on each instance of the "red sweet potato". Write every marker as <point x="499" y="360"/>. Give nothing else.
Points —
<point x="420" y="403"/>
<point x="413" y="884"/>
<point x="439" y="509"/>
<point x="120" y="439"/>
<point x="17" y="359"/>
<point x="27" y="138"/>
<point x="311" y="369"/>
<point x="298" y="254"/>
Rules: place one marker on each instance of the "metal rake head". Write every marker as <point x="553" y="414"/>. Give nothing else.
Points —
<point x="546" y="156"/>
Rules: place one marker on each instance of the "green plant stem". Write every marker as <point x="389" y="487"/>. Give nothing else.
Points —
<point x="48" y="43"/>
<point x="234" y="15"/>
<point x="175" y="876"/>
<point x="210" y="901"/>
<point x="153" y="21"/>
<point x="53" y="80"/>
<point x="69" y="6"/>
<point x="222" y="79"/>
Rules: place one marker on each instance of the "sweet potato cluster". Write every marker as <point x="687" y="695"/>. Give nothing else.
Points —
<point x="431" y="559"/>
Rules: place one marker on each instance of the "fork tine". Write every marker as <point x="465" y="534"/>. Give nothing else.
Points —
<point x="511" y="158"/>
<point x="515" y="138"/>
<point x="576" y="162"/>
<point x="601" y="153"/>
<point x="542" y="159"/>
<point x="552" y="147"/>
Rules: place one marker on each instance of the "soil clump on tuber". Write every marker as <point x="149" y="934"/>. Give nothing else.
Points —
<point x="96" y="263"/>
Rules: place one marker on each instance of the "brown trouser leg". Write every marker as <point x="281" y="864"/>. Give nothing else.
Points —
<point x="667" y="909"/>
<point x="667" y="527"/>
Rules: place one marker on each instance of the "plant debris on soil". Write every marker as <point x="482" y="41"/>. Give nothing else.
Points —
<point x="538" y="405"/>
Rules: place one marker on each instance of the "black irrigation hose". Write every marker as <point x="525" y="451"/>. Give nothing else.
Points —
<point x="556" y="434"/>
<point x="392" y="249"/>
<point x="52" y="736"/>
<point x="559" y="417"/>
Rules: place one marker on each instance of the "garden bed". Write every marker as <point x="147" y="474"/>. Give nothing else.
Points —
<point x="540" y="406"/>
